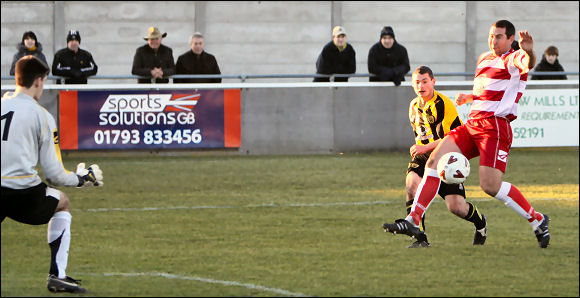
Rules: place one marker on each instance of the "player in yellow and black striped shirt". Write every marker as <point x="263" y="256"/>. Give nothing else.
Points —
<point x="433" y="115"/>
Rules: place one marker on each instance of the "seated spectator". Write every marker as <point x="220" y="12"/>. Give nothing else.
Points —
<point x="337" y="57"/>
<point x="549" y="63"/>
<point x="153" y="60"/>
<point x="28" y="46"/>
<point x="388" y="60"/>
<point x="197" y="61"/>
<point x="72" y="62"/>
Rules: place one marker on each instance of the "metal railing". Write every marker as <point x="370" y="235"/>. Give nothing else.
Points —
<point x="244" y="77"/>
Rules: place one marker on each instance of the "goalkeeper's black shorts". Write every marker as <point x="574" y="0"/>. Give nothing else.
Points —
<point x="33" y="206"/>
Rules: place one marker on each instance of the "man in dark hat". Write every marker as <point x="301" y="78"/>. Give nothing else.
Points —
<point x="388" y="60"/>
<point x="153" y="60"/>
<point x="72" y="62"/>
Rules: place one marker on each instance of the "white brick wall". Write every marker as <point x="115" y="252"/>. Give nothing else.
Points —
<point x="260" y="37"/>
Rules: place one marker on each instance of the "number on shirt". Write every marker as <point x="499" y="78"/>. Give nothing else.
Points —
<point x="8" y="117"/>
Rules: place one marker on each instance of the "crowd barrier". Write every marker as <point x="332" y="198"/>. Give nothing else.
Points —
<point x="281" y="118"/>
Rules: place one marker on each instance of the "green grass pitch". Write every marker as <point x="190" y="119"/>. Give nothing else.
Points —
<point x="229" y="225"/>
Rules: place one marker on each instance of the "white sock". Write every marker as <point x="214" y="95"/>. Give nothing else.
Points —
<point x="59" y="229"/>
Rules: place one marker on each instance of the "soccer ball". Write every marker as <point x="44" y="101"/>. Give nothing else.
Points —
<point x="453" y="168"/>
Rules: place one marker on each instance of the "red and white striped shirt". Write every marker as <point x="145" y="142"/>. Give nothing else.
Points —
<point x="498" y="85"/>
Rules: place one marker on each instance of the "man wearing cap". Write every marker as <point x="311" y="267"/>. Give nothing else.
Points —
<point x="72" y="62"/>
<point x="337" y="57"/>
<point x="153" y="60"/>
<point x="388" y="60"/>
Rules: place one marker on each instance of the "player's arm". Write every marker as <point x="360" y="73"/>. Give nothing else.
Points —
<point x="51" y="160"/>
<point x="462" y="98"/>
<point x="527" y="45"/>
<point x="417" y="149"/>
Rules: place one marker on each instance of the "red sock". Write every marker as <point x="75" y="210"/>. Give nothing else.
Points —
<point x="426" y="192"/>
<point x="515" y="194"/>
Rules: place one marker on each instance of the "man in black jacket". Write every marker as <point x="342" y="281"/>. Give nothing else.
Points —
<point x="73" y="63"/>
<point x="549" y="63"/>
<point x="388" y="60"/>
<point x="153" y="60"/>
<point x="337" y="57"/>
<point x="197" y="61"/>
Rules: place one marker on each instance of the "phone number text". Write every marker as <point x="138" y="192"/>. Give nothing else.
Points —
<point x="157" y="136"/>
<point x="528" y="132"/>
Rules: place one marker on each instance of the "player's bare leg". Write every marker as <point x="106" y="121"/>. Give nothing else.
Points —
<point x="457" y="205"/>
<point x="490" y="180"/>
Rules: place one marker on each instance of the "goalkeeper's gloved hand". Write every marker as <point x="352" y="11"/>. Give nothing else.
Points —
<point x="90" y="176"/>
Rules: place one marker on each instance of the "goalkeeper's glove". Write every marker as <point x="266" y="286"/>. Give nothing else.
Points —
<point x="90" y="176"/>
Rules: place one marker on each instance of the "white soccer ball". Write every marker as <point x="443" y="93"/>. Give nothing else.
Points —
<point x="453" y="168"/>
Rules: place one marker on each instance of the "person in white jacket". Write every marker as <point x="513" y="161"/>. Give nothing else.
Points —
<point x="29" y="136"/>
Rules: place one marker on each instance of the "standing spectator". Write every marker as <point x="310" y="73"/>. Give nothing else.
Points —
<point x="28" y="46"/>
<point x="337" y="57"/>
<point x="388" y="60"/>
<point x="154" y="60"/>
<point x="29" y="138"/>
<point x="197" y="61"/>
<point x="549" y="63"/>
<point x="73" y="63"/>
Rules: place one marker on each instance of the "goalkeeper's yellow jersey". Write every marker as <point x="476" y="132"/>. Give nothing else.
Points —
<point x="434" y="120"/>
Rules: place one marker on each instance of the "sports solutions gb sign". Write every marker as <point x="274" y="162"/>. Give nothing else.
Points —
<point x="146" y="119"/>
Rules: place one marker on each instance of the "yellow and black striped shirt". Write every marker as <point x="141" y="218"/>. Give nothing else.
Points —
<point x="434" y="120"/>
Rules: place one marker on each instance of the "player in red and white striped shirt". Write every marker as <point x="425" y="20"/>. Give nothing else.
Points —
<point x="500" y="79"/>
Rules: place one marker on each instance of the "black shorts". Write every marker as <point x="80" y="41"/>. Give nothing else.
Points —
<point x="31" y="206"/>
<point x="417" y="165"/>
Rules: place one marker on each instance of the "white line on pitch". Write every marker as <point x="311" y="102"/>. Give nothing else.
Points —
<point x="243" y="206"/>
<point x="207" y="280"/>
<point x="272" y="205"/>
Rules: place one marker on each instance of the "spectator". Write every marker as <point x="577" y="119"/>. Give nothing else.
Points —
<point x="515" y="45"/>
<point x="549" y="63"/>
<point x="337" y="57"/>
<point x="73" y="63"/>
<point x="388" y="60"/>
<point x="197" y="61"/>
<point x="154" y="60"/>
<point x="28" y="46"/>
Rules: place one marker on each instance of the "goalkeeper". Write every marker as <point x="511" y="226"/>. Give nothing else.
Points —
<point x="432" y="115"/>
<point x="29" y="136"/>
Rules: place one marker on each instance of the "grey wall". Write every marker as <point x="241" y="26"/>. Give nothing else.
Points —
<point x="325" y="119"/>
<point x="321" y="118"/>
<point x="271" y="37"/>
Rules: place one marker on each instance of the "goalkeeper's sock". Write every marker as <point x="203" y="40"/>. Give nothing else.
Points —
<point x="59" y="242"/>
<point x="513" y="198"/>
<point x="409" y="204"/>
<point x="474" y="216"/>
<point x="426" y="192"/>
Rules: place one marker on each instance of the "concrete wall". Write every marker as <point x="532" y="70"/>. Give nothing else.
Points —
<point x="325" y="119"/>
<point x="318" y="118"/>
<point x="267" y="37"/>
